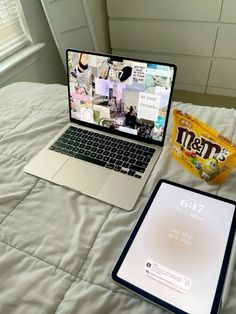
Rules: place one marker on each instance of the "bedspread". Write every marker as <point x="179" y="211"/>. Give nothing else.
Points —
<point x="58" y="247"/>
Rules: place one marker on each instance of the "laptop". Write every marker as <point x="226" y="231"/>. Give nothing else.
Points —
<point x="118" y="113"/>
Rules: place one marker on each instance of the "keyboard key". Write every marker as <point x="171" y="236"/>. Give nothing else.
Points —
<point x="87" y="153"/>
<point x="105" y="158"/>
<point x="132" y="161"/>
<point x="139" y="152"/>
<point x="125" y="158"/>
<point x="118" y="162"/>
<point x="131" y="173"/>
<point x="62" y="139"/>
<point x="138" y="176"/>
<point x="143" y="147"/>
<point x="141" y="163"/>
<point x="58" y="150"/>
<point x="137" y="168"/>
<point x="110" y="166"/>
<point x="117" y="168"/>
<point x="140" y="147"/>
<point x="147" y="154"/>
<point x="70" y="153"/>
<point x="127" y="154"/>
<point x="89" y="159"/>
<point x="151" y="150"/>
<point x="146" y="159"/>
<point x="81" y="151"/>
<point x="141" y="158"/>
<point x="121" y="152"/>
<point x="135" y="156"/>
<point x="126" y="165"/>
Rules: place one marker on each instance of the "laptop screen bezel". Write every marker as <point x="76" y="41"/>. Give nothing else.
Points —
<point x="116" y="132"/>
<point x="216" y="301"/>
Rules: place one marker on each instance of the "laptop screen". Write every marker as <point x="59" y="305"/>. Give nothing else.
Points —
<point x="124" y="95"/>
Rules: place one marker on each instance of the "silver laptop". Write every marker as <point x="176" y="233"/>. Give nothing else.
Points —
<point x="118" y="112"/>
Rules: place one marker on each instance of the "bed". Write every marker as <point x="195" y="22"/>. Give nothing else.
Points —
<point x="58" y="247"/>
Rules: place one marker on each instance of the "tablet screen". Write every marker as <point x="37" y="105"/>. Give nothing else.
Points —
<point x="178" y="252"/>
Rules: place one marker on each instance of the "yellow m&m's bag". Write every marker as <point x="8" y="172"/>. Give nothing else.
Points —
<point x="201" y="149"/>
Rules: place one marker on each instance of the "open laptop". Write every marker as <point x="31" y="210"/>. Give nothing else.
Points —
<point x="118" y="112"/>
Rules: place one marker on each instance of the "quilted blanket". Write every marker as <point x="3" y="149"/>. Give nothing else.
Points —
<point x="58" y="247"/>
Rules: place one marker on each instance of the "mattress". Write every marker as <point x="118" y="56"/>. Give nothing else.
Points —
<point x="58" y="247"/>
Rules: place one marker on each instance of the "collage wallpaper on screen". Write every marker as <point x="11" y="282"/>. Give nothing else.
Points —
<point x="124" y="95"/>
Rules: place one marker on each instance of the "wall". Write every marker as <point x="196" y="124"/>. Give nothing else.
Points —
<point x="42" y="66"/>
<point x="199" y="36"/>
<point x="96" y="14"/>
<point x="78" y="24"/>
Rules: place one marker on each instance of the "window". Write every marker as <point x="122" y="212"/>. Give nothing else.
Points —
<point x="13" y="30"/>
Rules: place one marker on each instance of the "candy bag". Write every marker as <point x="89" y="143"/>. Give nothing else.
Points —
<point x="201" y="149"/>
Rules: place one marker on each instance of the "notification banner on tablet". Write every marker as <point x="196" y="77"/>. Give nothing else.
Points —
<point x="168" y="277"/>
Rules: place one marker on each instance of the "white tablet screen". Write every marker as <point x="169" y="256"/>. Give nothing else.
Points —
<point x="178" y="251"/>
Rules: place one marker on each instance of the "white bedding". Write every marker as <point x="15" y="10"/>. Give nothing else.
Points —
<point x="58" y="247"/>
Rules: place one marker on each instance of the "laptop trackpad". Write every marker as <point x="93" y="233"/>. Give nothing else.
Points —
<point x="82" y="176"/>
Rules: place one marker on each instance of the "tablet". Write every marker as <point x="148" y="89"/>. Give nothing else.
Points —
<point x="178" y="252"/>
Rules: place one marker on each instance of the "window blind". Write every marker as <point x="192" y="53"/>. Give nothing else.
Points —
<point x="13" y="35"/>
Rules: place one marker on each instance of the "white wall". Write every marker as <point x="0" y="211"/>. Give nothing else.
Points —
<point x="78" y="24"/>
<point x="45" y="65"/>
<point x="199" y="36"/>
<point x="96" y="15"/>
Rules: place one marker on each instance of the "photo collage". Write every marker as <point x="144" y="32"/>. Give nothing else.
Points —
<point x="120" y="94"/>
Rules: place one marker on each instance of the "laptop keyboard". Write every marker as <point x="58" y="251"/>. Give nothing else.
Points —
<point x="105" y="151"/>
